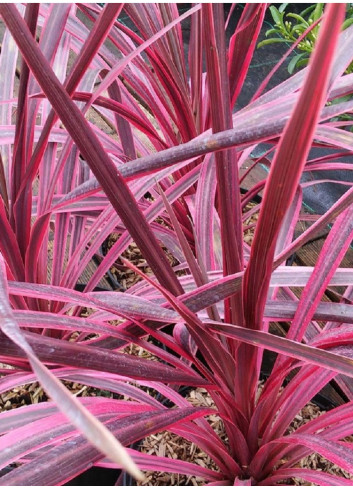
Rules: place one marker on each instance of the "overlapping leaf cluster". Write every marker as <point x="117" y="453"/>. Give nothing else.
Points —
<point x="164" y="172"/>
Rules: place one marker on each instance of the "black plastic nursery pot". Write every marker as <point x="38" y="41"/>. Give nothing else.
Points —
<point x="96" y="476"/>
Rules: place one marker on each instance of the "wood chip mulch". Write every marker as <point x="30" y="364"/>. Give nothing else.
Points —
<point x="125" y="276"/>
<point x="251" y="216"/>
<point x="173" y="446"/>
<point x="34" y="393"/>
<point x="166" y="444"/>
<point x="314" y="461"/>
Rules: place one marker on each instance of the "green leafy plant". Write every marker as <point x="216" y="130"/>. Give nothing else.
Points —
<point x="164" y="172"/>
<point x="301" y="29"/>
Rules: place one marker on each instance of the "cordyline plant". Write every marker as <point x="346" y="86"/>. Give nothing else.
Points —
<point x="116" y="128"/>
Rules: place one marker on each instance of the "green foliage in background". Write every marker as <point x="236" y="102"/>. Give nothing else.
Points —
<point x="288" y="27"/>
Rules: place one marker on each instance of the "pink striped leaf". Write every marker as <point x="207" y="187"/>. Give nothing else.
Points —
<point x="326" y="311"/>
<point x="218" y="357"/>
<point x="204" y="211"/>
<point x="334" y="451"/>
<point x="59" y="352"/>
<point x="57" y="463"/>
<point x="319" y="478"/>
<point x="114" y="302"/>
<point x="164" y="464"/>
<point x="53" y="428"/>
<point x="173" y="192"/>
<point x="120" y="109"/>
<point x="330" y="257"/>
<point x="314" y="356"/>
<point x="96" y="37"/>
<point x="242" y="45"/>
<point x="13" y="419"/>
<point x="121" y="64"/>
<point x="100" y="380"/>
<point x="286" y="169"/>
<point x="76" y="412"/>
<point x="225" y="161"/>
<point x="345" y="201"/>
<point x="308" y="382"/>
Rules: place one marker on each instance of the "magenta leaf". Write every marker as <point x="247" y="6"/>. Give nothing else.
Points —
<point x="56" y="465"/>
<point x="82" y="419"/>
